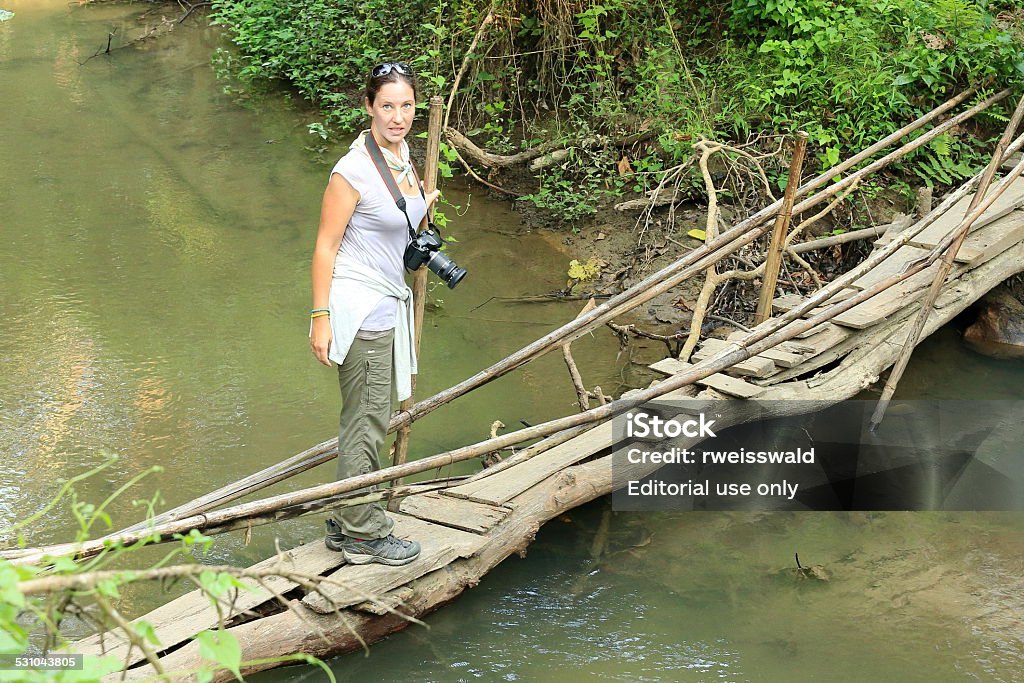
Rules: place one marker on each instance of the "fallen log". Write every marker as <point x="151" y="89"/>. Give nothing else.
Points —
<point x="542" y="155"/>
<point x="471" y="151"/>
<point x="656" y="200"/>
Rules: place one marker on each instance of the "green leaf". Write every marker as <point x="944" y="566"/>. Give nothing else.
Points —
<point x="108" y="587"/>
<point x="9" y="593"/>
<point x="222" y="648"/>
<point x="195" y="537"/>
<point x="832" y="155"/>
<point x="13" y="638"/>
<point x="64" y="565"/>
<point x="941" y="145"/>
<point x="216" y="584"/>
<point x="146" y="630"/>
<point x="235" y="582"/>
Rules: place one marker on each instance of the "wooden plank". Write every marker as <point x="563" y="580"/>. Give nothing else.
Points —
<point x="684" y="397"/>
<point x="507" y="484"/>
<point x="784" y="359"/>
<point x="817" y="362"/>
<point x="825" y="337"/>
<point x="719" y="382"/>
<point x="755" y="366"/>
<point x="882" y="305"/>
<point x="954" y="292"/>
<point x="183" y="617"/>
<point x="787" y="302"/>
<point x="792" y="347"/>
<point x="386" y="602"/>
<point x="459" y="513"/>
<point x="783" y="356"/>
<point x="795" y="346"/>
<point x="801" y="336"/>
<point x="985" y="244"/>
<point x="890" y="266"/>
<point x="1010" y="200"/>
<point x="795" y="352"/>
<point x="439" y="546"/>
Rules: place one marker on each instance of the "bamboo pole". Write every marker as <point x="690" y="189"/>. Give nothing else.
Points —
<point x="852" y="236"/>
<point x="773" y="259"/>
<point x="323" y="452"/>
<point x="960" y="234"/>
<point x="419" y="281"/>
<point x="570" y="363"/>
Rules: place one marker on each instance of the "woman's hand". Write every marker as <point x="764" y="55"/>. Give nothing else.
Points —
<point x="431" y="197"/>
<point x="320" y="338"/>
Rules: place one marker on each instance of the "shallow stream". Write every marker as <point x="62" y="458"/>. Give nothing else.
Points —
<point x="156" y="236"/>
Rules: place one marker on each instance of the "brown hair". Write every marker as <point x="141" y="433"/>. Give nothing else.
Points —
<point x="374" y="84"/>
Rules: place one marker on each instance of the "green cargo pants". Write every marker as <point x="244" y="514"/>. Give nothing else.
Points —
<point x="365" y="379"/>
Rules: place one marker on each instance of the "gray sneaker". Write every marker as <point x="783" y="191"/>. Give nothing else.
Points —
<point x="388" y="550"/>
<point x="335" y="536"/>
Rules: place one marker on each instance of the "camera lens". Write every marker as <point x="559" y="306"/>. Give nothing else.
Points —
<point x="446" y="269"/>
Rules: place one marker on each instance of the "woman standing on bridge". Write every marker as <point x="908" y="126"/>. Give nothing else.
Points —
<point x="362" y="309"/>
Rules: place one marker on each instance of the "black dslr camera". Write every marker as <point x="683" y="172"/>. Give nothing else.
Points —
<point x="426" y="248"/>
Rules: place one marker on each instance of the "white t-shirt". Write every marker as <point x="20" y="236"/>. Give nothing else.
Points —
<point x="378" y="234"/>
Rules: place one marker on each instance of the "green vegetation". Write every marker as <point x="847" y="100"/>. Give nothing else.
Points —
<point x="91" y="591"/>
<point x="586" y="74"/>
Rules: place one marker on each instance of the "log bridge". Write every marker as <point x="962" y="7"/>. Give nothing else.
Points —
<point x="826" y="347"/>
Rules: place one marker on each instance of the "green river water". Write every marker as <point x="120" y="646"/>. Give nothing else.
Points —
<point x="156" y="237"/>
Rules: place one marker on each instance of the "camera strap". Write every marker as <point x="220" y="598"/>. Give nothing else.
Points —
<point x="389" y="180"/>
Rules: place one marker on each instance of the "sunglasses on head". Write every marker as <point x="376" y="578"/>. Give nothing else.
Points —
<point x="385" y="68"/>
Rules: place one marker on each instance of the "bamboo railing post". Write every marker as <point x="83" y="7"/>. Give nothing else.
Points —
<point x="570" y="363"/>
<point x="419" y="281"/>
<point x="773" y="259"/>
<point x="947" y="263"/>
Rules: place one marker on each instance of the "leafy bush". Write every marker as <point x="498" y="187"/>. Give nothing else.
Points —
<point x="32" y="612"/>
<point x="586" y="73"/>
<point x="324" y="48"/>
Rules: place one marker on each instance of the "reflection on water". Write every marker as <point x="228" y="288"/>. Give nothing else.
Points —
<point x="153" y="286"/>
